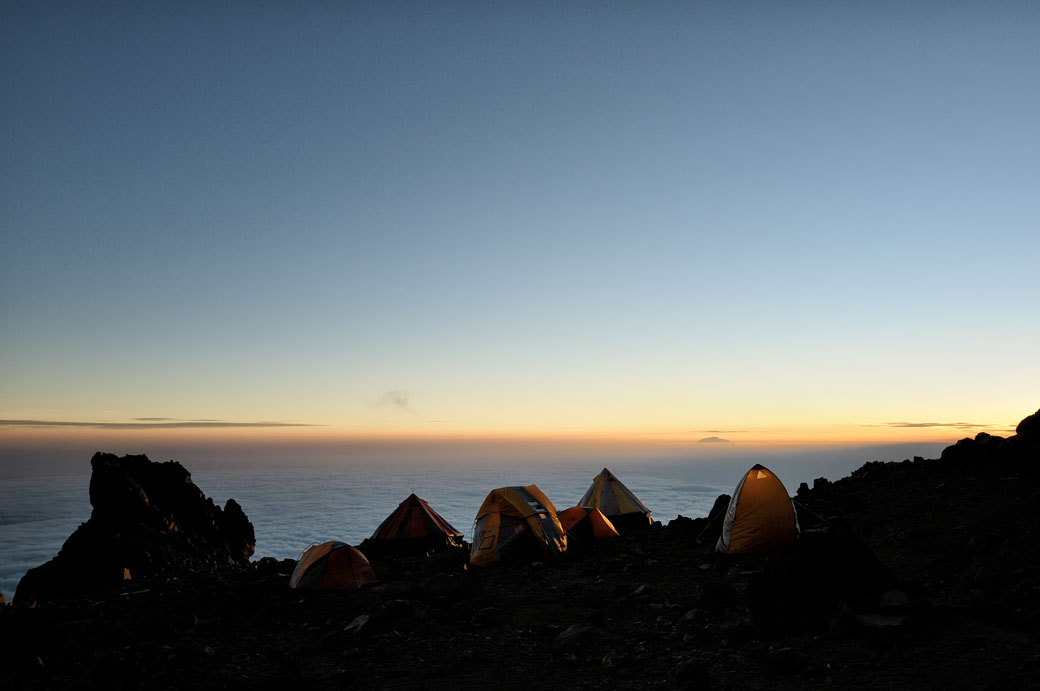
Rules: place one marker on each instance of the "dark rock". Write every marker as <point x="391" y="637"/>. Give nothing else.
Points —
<point x="894" y="600"/>
<point x="1029" y="426"/>
<point x="357" y="624"/>
<point x="147" y="519"/>
<point x="716" y="594"/>
<point x="690" y="675"/>
<point x="842" y="626"/>
<point x="597" y="618"/>
<point x="683" y="524"/>
<point x="578" y="638"/>
<point x="487" y="617"/>
<point x="803" y="590"/>
<point x="398" y="609"/>
<point x="643" y="590"/>
<point x="981" y="447"/>
<point x="394" y="589"/>
<point x="880" y="622"/>
<point x="787" y="660"/>
<point x="450" y="585"/>
<point x="718" y="509"/>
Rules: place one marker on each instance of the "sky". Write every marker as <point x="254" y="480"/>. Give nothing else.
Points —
<point x="353" y="224"/>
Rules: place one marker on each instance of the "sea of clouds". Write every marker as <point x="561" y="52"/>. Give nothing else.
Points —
<point x="291" y="509"/>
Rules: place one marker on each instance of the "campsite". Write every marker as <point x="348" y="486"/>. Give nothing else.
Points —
<point x="912" y="574"/>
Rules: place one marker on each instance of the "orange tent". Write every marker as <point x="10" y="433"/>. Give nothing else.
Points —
<point x="331" y="566"/>
<point x="760" y="518"/>
<point x="586" y="522"/>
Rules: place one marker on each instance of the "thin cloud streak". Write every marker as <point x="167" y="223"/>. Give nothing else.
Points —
<point x="950" y="425"/>
<point x="151" y="423"/>
<point x="173" y="419"/>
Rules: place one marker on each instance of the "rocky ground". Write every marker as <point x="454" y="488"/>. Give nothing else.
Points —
<point x="919" y="574"/>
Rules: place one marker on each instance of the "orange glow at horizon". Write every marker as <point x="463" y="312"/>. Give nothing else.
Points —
<point x="736" y="436"/>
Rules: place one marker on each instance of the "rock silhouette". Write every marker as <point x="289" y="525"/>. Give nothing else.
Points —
<point x="148" y="519"/>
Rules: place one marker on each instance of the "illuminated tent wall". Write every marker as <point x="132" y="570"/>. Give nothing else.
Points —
<point x="516" y="523"/>
<point x="760" y="518"/>
<point x="413" y="526"/>
<point x="617" y="502"/>
<point x="583" y="524"/>
<point x="331" y="566"/>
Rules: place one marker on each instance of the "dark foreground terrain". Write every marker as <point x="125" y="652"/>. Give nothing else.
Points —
<point x="919" y="574"/>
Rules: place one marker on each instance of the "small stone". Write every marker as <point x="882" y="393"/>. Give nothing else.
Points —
<point x="894" y="599"/>
<point x="690" y="675"/>
<point x="356" y="625"/>
<point x="718" y="594"/>
<point x="578" y="637"/>
<point x="787" y="660"/>
<point x="842" y="626"/>
<point x="880" y="622"/>
<point x="489" y="616"/>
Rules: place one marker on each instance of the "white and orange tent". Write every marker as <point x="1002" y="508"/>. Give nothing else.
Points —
<point x="617" y="502"/>
<point x="760" y="518"/>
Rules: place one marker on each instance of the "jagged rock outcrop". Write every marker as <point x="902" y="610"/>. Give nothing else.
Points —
<point x="1022" y="447"/>
<point x="148" y="519"/>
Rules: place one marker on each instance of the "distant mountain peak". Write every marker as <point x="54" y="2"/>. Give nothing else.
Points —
<point x="714" y="440"/>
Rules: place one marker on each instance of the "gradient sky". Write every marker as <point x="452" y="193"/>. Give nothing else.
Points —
<point x="757" y="221"/>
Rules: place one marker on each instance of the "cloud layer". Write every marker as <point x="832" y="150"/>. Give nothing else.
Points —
<point x="149" y="423"/>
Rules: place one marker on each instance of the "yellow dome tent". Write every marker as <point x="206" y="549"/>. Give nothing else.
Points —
<point x="516" y="523"/>
<point x="760" y="518"/>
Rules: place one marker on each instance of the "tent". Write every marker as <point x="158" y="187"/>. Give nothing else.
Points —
<point x="413" y="526"/>
<point x="617" y="502"/>
<point x="516" y="523"/>
<point x="585" y="523"/>
<point x="331" y="566"/>
<point x="760" y="518"/>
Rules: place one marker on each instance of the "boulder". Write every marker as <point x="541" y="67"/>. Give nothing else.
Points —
<point x="981" y="447"/>
<point x="148" y="519"/>
<point x="804" y="589"/>
<point x="1029" y="426"/>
